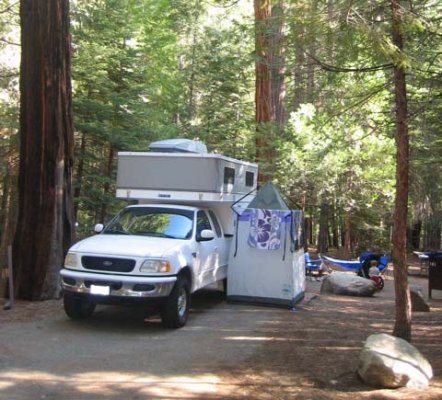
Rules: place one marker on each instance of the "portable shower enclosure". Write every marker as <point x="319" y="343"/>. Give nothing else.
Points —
<point x="180" y="171"/>
<point x="266" y="263"/>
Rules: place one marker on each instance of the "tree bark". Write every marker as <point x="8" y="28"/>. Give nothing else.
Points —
<point x="106" y="186"/>
<point x="335" y="228"/>
<point x="308" y="231"/>
<point x="45" y="220"/>
<point x="432" y="232"/>
<point x="80" y="173"/>
<point x="264" y="110"/>
<point x="277" y="65"/>
<point x="348" y="237"/>
<point x="402" y="327"/>
<point x="298" y="72"/>
<point x="415" y="235"/>
<point x="8" y="207"/>
<point x="323" y="228"/>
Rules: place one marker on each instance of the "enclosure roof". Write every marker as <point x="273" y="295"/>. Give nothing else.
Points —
<point x="268" y="198"/>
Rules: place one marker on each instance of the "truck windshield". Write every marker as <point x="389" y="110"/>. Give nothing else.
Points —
<point x="150" y="221"/>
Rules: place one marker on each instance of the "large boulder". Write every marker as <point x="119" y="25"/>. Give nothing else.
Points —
<point x="348" y="285"/>
<point x="417" y="299"/>
<point x="390" y="362"/>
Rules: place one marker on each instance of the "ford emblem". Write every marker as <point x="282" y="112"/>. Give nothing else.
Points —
<point x="107" y="263"/>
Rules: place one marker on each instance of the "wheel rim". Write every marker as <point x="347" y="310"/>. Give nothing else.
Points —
<point x="182" y="303"/>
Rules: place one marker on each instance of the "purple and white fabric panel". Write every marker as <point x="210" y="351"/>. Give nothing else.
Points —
<point x="266" y="228"/>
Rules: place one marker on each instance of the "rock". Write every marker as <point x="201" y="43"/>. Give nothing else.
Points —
<point x="390" y="362"/>
<point x="417" y="299"/>
<point x="348" y="285"/>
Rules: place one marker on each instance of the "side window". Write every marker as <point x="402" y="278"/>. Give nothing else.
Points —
<point x="250" y="178"/>
<point x="229" y="176"/>
<point x="218" y="230"/>
<point x="202" y="222"/>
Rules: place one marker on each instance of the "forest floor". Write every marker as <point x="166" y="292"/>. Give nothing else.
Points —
<point x="310" y="352"/>
<point x="316" y="357"/>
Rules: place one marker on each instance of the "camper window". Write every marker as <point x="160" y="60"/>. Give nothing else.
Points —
<point x="229" y="176"/>
<point x="250" y="178"/>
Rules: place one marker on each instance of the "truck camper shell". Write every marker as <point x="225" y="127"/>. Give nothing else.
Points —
<point x="187" y="177"/>
<point x="193" y="178"/>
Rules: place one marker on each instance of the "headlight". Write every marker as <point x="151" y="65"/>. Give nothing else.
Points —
<point x="155" y="266"/>
<point x="71" y="260"/>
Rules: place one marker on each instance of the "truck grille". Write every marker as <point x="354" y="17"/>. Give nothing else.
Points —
<point x="108" y="264"/>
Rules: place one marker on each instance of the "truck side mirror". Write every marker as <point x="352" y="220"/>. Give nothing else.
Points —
<point x="98" y="228"/>
<point x="205" y="235"/>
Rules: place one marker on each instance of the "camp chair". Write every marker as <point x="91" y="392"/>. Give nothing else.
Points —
<point x="312" y="265"/>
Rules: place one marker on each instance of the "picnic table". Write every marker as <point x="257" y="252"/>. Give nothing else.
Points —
<point x="434" y="272"/>
<point x="424" y="261"/>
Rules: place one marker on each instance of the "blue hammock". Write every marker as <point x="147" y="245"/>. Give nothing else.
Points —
<point x="357" y="265"/>
<point x="354" y="265"/>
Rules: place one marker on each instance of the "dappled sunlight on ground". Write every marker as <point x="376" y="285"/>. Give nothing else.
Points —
<point x="110" y="385"/>
<point x="314" y="354"/>
<point x="309" y="352"/>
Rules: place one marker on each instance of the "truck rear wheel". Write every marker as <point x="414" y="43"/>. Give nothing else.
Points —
<point x="77" y="307"/>
<point x="175" y="310"/>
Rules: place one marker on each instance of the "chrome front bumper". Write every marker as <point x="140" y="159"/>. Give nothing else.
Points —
<point x="119" y="285"/>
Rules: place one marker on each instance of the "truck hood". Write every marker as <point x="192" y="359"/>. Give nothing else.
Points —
<point x="121" y="245"/>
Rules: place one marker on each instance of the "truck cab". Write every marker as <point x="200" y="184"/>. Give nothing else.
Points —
<point x="143" y="253"/>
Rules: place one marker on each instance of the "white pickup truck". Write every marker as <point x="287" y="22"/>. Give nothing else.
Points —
<point x="155" y="253"/>
<point x="174" y="242"/>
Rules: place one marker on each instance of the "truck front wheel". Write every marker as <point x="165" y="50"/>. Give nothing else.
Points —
<point x="175" y="310"/>
<point x="77" y="307"/>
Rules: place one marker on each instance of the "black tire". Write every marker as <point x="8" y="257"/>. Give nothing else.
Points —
<point x="77" y="307"/>
<point x="381" y="283"/>
<point x="225" y="287"/>
<point x="175" y="310"/>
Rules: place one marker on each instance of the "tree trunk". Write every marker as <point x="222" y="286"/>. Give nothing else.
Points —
<point x="402" y="327"/>
<point x="308" y="232"/>
<point x="323" y="228"/>
<point x="432" y="232"/>
<point x="311" y="70"/>
<point x="8" y="208"/>
<point x="298" y="71"/>
<point x="335" y="229"/>
<point x="106" y="186"/>
<point x="277" y="65"/>
<point x="45" y="220"/>
<point x="264" y="110"/>
<point x="348" y="222"/>
<point x="415" y="235"/>
<point x="79" y="175"/>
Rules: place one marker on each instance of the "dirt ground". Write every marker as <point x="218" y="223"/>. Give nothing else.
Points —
<point x="315" y="357"/>
<point x="310" y="352"/>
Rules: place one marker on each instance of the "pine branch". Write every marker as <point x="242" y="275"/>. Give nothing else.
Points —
<point x="332" y="68"/>
<point x="7" y="9"/>
<point x="8" y="42"/>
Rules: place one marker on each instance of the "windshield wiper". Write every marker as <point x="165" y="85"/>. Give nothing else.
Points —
<point x="155" y="234"/>
<point x="116" y="232"/>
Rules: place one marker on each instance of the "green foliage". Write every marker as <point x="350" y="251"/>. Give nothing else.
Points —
<point x="146" y="70"/>
<point x="124" y="90"/>
<point x="154" y="69"/>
